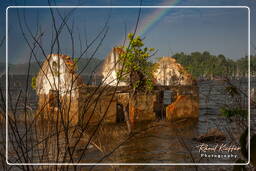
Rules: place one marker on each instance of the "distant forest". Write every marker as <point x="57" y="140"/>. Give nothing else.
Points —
<point x="199" y="64"/>
<point x="85" y="65"/>
<point x="205" y="65"/>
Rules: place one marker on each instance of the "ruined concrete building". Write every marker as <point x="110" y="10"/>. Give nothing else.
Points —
<point x="61" y="91"/>
<point x="57" y="86"/>
<point x="110" y="68"/>
<point x="171" y="73"/>
<point x="175" y="94"/>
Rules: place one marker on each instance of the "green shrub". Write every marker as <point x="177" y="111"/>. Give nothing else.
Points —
<point x="33" y="82"/>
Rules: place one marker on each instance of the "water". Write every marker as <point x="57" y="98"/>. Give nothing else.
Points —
<point x="160" y="141"/>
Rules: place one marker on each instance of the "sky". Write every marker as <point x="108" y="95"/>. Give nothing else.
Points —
<point x="169" y="30"/>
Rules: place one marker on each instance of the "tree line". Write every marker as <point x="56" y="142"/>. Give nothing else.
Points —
<point x="206" y="65"/>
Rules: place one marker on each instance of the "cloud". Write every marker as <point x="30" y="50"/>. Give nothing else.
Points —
<point x="178" y="14"/>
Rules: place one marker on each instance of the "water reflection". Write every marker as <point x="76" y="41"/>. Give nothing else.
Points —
<point x="163" y="142"/>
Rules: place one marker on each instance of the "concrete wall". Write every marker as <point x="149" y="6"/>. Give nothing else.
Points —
<point x="144" y="107"/>
<point x="185" y="103"/>
<point x="68" y="110"/>
<point x="91" y="106"/>
<point x="95" y="106"/>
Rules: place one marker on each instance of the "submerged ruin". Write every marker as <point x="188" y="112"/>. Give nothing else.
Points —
<point x="171" y="73"/>
<point x="63" y="95"/>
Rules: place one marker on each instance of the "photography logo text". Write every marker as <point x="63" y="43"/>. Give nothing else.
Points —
<point x="218" y="151"/>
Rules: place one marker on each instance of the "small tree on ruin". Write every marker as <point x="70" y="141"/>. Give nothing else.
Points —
<point x="137" y="72"/>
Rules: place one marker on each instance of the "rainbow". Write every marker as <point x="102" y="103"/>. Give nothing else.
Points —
<point x="152" y="20"/>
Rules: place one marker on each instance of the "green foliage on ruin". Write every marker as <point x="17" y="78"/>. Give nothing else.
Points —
<point x="33" y="82"/>
<point x="136" y="69"/>
<point x="75" y="63"/>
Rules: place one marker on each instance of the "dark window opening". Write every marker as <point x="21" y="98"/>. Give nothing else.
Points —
<point x="55" y="68"/>
<point x="53" y="98"/>
<point x="120" y="113"/>
<point x="159" y="107"/>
